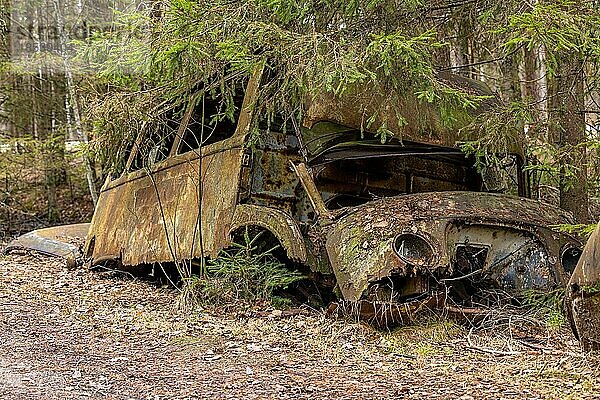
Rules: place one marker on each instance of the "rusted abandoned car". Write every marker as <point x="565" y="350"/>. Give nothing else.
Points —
<point x="404" y="222"/>
<point x="582" y="300"/>
<point x="395" y="225"/>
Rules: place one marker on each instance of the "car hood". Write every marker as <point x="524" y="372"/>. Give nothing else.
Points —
<point x="488" y="206"/>
<point x="359" y="241"/>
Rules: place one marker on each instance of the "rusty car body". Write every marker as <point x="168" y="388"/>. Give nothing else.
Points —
<point x="582" y="300"/>
<point x="395" y="225"/>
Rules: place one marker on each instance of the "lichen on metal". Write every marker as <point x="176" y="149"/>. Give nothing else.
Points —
<point x="360" y="243"/>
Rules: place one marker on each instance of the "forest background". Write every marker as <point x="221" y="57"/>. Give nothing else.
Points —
<point x="80" y="79"/>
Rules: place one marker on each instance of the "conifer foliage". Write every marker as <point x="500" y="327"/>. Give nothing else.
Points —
<point x="540" y="57"/>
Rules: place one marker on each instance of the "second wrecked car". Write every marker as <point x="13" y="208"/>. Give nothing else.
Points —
<point x="582" y="300"/>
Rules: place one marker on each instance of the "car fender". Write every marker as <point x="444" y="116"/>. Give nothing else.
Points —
<point x="278" y="222"/>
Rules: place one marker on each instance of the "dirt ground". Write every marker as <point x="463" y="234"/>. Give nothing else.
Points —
<point x="77" y="334"/>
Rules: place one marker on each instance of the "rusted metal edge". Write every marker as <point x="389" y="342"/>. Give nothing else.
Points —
<point x="55" y="242"/>
<point x="279" y="223"/>
<point x="311" y="189"/>
<point x="584" y="316"/>
<point x="582" y="300"/>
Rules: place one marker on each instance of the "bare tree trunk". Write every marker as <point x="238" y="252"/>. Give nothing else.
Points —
<point x="534" y="96"/>
<point x="43" y="127"/>
<point x="567" y="122"/>
<point x="5" y="53"/>
<point x="530" y="80"/>
<point x="510" y="89"/>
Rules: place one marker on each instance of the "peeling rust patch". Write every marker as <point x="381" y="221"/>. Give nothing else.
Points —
<point x="177" y="209"/>
<point x="153" y="216"/>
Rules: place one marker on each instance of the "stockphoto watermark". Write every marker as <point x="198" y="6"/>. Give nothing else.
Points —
<point x="32" y="38"/>
<point x="43" y="30"/>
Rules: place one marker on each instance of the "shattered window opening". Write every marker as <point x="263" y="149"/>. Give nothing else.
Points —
<point x="215" y="126"/>
<point x="350" y="181"/>
<point x="502" y="177"/>
<point x="153" y="150"/>
<point x="352" y="167"/>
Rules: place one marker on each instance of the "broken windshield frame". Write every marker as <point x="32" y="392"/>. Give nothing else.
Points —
<point x="350" y="167"/>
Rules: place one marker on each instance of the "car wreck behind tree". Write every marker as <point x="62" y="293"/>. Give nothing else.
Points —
<point x="392" y="226"/>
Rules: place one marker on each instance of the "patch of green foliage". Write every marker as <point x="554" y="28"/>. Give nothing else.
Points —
<point x="549" y="305"/>
<point x="591" y="289"/>
<point x="211" y="48"/>
<point x="495" y="134"/>
<point x="561" y="26"/>
<point x="582" y="230"/>
<point x="245" y="272"/>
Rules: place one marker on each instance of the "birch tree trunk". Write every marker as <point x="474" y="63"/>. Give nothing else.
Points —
<point x="5" y="55"/>
<point x="4" y="31"/>
<point x="80" y="132"/>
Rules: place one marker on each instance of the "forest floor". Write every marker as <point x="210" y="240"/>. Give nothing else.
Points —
<point x="78" y="334"/>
